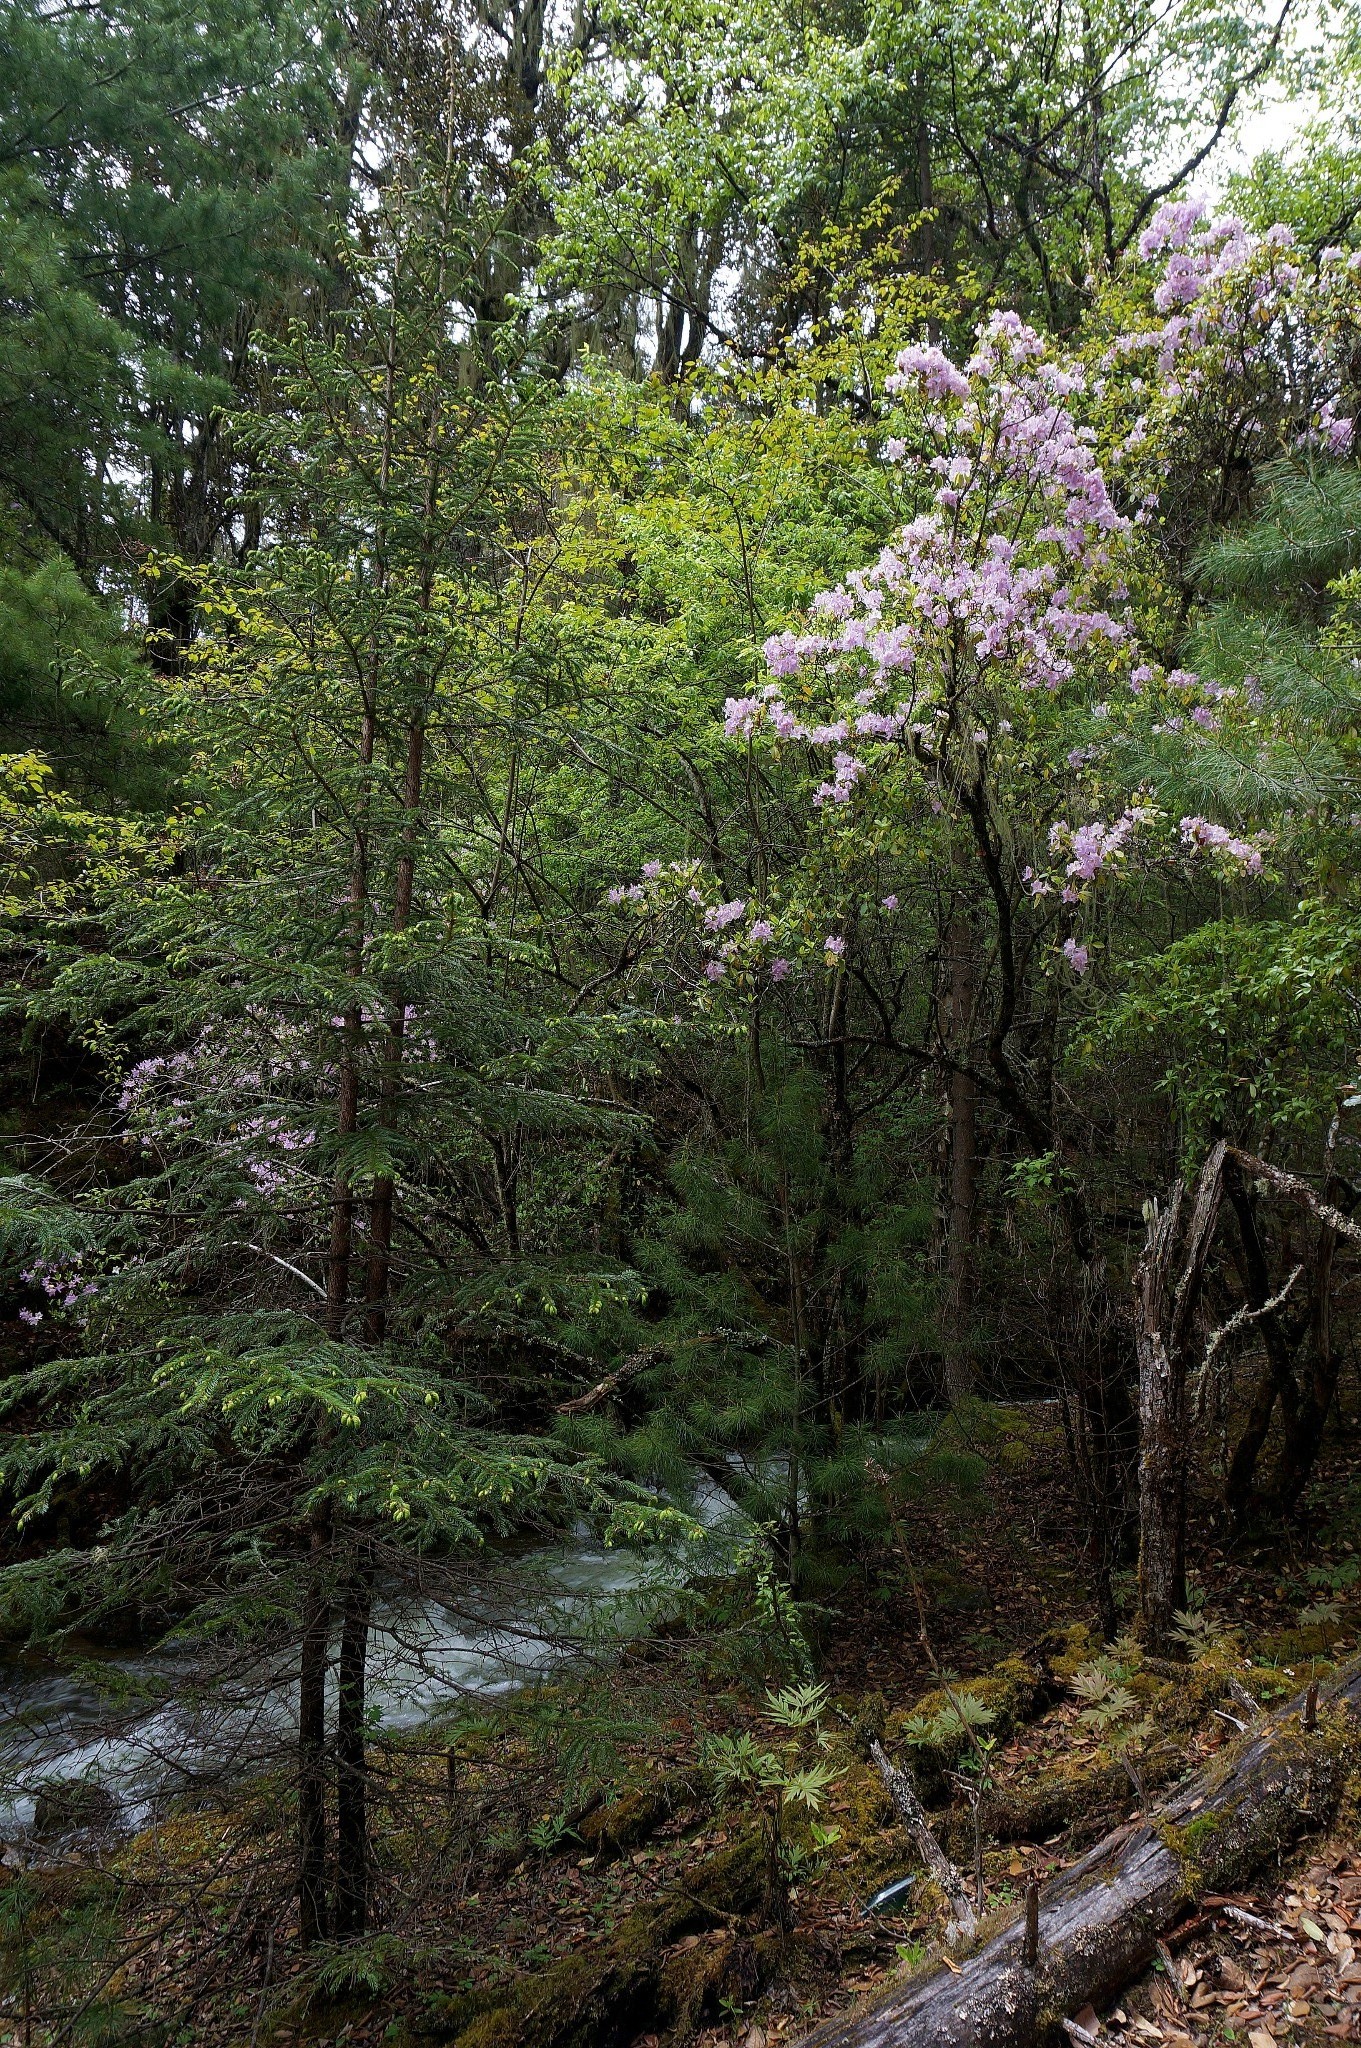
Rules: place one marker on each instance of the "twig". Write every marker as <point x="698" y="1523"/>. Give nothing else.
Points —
<point x="241" y="1244"/>
<point x="1136" y="1779"/>
<point x="1253" y="1920"/>
<point x="602" y="1389"/>
<point x="1078" y="2033"/>
<point x="264" y="1988"/>
<point x="1169" y="1963"/>
<point x="1030" y="1952"/>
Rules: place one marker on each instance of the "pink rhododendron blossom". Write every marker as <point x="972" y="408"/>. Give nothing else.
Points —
<point x="848" y="769"/>
<point x="1014" y="576"/>
<point x="1202" y="836"/>
<point x="938" y="374"/>
<point x="720" y="914"/>
<point x="779" y="969"/>
<point x="742" y="715"/>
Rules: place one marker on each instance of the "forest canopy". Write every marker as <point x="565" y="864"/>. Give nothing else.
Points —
<point x="679" y="803"/>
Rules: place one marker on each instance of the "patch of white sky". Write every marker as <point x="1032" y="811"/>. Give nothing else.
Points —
<point x="1274" y="118"/>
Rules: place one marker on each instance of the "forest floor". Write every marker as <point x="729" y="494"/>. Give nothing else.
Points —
<point x="493" y="1896"/>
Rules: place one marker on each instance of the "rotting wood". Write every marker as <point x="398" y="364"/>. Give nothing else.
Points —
<point x="1100" y="1920"/>
<point x="912" y="1814"/>
<point x="1168" y="1284"/>
<point x="1251" y="1707"/>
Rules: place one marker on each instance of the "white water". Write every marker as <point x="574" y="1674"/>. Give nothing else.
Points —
<point x="422" y="1660"/>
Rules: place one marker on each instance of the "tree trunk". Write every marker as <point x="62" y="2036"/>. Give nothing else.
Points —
<point x="313" y="1916"/>
<point x="1100" y="1921"/>
<point x="1165" y="1318"/>
<point x="1304" y="1428"/>
<point x="352" y="1837"/>
<point x="962" y="1096"/>
<point x="1277" y="1379"/>
<point x="1162" y="1457"/>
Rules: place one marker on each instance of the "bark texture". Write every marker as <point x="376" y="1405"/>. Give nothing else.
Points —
<point x="1168" y="1286"/>
<point x="1100" y="1920"/>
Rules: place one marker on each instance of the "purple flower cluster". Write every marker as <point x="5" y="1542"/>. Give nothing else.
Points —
<point x="247" y="1093"/>
<point x="1010" y="571"/>
<point x="1244" y="320"/>
<point x="1242" y="855"/>
<point x="63" y="1283"/>
<point x="1092" y="846"/>
<point x="732" y="937"/>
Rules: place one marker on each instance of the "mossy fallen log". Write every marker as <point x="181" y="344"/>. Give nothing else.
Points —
<point x="647" y="1972"/>
<point x="1089" y="1794"/>
<point x="1100" y="1920"/>
<point x="1015" y="1691"/>
<point x="637" y="1814"/>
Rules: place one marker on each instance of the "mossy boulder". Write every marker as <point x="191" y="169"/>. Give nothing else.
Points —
<point x="1066" y="1650"/>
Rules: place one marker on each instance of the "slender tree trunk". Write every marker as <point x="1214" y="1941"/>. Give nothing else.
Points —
<point x="1162" y="1496"/>
<point x="384" y="1187"/>
<point x="1167" y="1302"/>
<point x="381" y="1204"/>
<point x="926" y="194"/>
<point x="314" y="1658"/>
<point x="962" y="1097"/>
<point x="352" y="1838"/>
<point x="1304" y="1430"/>
<point x="1277" y="1380"/>
<point x="357" y="903"/>
<point x="313" y="1914"/>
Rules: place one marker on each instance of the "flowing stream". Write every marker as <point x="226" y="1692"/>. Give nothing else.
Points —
<point x="58" y="1728"/>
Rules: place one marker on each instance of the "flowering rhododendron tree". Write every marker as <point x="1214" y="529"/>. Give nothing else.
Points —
<point x="1000" y="620"/>
<point x="1001" y="684"/>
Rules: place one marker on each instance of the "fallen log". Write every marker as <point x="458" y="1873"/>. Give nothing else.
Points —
<point x="903" y="1793"/>
<point x="1100" y="1920"/>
